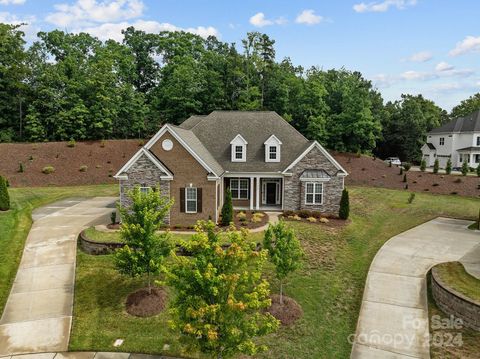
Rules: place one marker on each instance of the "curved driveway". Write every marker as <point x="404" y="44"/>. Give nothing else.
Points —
<point x="38" y="313"/>
<point x="393" y="321"/>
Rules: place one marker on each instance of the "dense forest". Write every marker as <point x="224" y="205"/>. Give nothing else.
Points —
<point x="73" y="86"/>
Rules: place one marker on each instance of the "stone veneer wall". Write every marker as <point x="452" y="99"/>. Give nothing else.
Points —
<point x="454" y="303"/>
<point x="295" y="189"/>
<point x="145" y="174"/>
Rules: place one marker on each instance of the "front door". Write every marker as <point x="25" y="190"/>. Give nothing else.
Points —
<point x="271" y="193"/>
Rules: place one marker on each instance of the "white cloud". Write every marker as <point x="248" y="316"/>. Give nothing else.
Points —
<point x="416" y="75"/>
<point x="383" y="81"/>
<point x="88" y="12"/>
<point x="422" y="56"/>
<point x="383" y="6"/>
<point x="469" y="44"/>
<point x="443" y="66"/>
<point x="259" y="20"/>
<point x="425" y="76"/>
<point x="27" y="22"/>
<point x="12" y="2"/>
<point x="308" y="17"/>
<point x="114" y="30"/>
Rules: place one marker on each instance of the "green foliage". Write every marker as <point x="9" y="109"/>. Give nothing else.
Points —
<point x="344" y="211"/>
<point x="423" y="165"/>
<point x="227" y="209"/>
<point x="478" y="170"/>
<point x="411" y="198"/>
<point x="284" y="250"/>
<point x="113" y="217"/>
<point x="401" y="170"/>
<point x="71" y="143"/>
<point x="448" y="167"/>
<point x="466" y="107"/>
<point x="145" y="250"/>
<point x="407" y="166"/>
<point x="48" y="169"/>
<point x="220" y="296"/>
<point x="83" y="168"/>
<point x="405" y="177"/>
<point x="436" y="166"/>
<point x="464" y="168"/>
<point x="4" y="196"/>
<point x="21" y="167"/>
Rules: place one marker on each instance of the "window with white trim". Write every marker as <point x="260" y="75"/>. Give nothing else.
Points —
<point x="442" y="141"/>
<point x="313" y="193"/>
<point x="238" y="152"/>
<point x="272" y="152"/>
<point x="191" y="200"/>
<point x="478" y="141"/>
<point x="239" y="188"/>
<point x="145" y="189"/>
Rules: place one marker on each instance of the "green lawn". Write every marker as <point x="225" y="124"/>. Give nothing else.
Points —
<point x="15" y="224"/>
<point x="329" y="287"/>
<point x="453" y="274"/>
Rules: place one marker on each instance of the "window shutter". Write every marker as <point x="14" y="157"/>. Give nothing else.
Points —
<point x="199" y="200"/>
<point x="182" y="200"/>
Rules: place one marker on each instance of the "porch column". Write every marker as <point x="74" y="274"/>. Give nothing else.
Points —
<point x="257" y="207"/>
<point x="251" y="193"/>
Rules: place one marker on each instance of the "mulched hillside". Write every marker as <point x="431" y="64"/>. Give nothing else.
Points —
<point x="104" y="159"/>
<point x="367" y="171"/>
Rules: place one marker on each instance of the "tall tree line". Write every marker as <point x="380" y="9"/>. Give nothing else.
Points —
<point x="73" y="86"/>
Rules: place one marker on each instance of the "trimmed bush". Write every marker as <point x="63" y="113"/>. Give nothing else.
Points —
<point x="312" y="219"/>
<point x="227" y="209"/>
<point x="436" y="166"/>
<point x="407" y="166"/>
<point x="113" y="217"/>
<point x="48" y="169"/>
<point x="464" y="168"/>
<point x="448" y="167"/>
<point x="83" y="168"/>
<point x="423" y="165"/>
<point x="4" y="196"/>
<point x="21" y="169"/>
<point x="344" y="211"/>
<point x="405" y="177"/>
<point x="478" y="170"/>
<point x="411" y="198"/>
<point x="72" y="143"/>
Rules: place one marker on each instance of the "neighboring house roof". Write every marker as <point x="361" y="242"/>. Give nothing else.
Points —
<point x="218" y="129"/>
<point x="165" y="175"/>
<point x="471" y="148"/>
<point x="315" y="175"/>
<point x="470" y="123"/>
<point x="431" y="146"/>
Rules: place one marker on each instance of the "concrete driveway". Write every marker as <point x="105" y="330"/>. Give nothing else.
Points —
<point x="38" y="313"/>
<point x="393" y="321"/>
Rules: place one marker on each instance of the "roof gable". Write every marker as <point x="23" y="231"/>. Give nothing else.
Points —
<point x="239" y="140"/>
<point x="167" y="175"/>
<point x="469" y="123"/>
<point x="272" y="140"/>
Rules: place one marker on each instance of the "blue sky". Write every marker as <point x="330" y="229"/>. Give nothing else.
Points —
<point x="404" y="46"/>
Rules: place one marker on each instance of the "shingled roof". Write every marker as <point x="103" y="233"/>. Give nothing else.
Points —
<point x="470" y="123"/>
<point x="219" y="128"/>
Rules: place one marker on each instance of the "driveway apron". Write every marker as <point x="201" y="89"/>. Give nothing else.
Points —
<point x="393" y="321"/>
<point x="38" y="312"/>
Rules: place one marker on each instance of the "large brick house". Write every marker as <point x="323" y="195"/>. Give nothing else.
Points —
<point x="266" y="163"/>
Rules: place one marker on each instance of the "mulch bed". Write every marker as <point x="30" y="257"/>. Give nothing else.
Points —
<point x="114" y="226"/>
<point x="288" y="313"/>
<point x="141" y="303"/>
<point x="367" y="171"/>
<point x="332" y="222"/>
<point x="247" y="223"/>
<point x="103" y="160"/>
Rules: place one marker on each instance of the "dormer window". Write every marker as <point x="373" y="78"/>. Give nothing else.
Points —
<point x="272" y="149"/>
<point x="239" y="149"/>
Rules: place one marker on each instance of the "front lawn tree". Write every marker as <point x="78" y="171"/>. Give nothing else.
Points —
<point x="464" y="168"/>
<point x="344" y="211"/>
<point x="423" y="165"/>
<point x="448" y="167"/>
<point x="227" y="209"/>
<point x="4" y="196"/>
<point x="145" y="249"/>
<point x="284" y="251"/>
<point x="221" y="299"/>
<point x="436" y="166"/>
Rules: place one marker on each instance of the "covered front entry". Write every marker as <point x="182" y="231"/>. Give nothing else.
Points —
<point x="255" y="193"/>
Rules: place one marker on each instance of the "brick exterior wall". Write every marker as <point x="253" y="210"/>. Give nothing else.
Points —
<point x="145" y="174"/>
<point x="186" y="169"/>
<point x="295" y="189"/>
<point x="453" y="303"/>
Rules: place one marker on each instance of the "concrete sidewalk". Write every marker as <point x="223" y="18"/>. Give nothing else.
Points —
<point x="393" y="321"/>
<point x="88" y="355"/>
<point x="38" y="312"/>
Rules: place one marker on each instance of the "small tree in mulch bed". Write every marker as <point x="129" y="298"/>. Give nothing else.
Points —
<point x="436" y="166"/>
<point x="478" y="170"/>
<point x="464" y="168"/>
<point x="344" y="211"/>
<point x="4" y="196"/>
<point x="423" y="165"/>
<point x="448" y="167"/>
<point x="405" y="177"/>
<point x="221" y="301"/>
<point x="145" y="249"/>
<point x="284" y="251"/>
<point x="227" y="209"/>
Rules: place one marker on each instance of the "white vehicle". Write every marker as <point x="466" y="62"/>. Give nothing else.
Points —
<point x="394" y="161"/>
